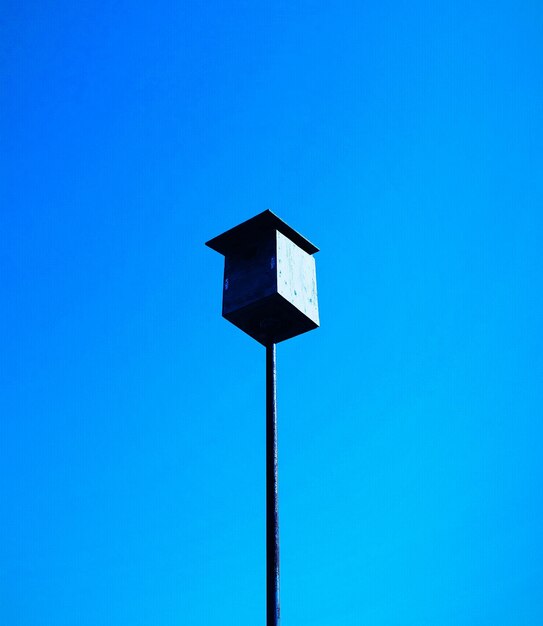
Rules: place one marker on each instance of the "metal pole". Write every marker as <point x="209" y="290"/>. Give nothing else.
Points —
<point x="272" y="505"/>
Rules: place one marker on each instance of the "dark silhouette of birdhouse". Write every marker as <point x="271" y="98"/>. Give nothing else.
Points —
<point x="270" y="285"/>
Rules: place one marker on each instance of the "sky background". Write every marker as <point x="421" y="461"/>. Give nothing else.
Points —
<point x="405" y="139"/>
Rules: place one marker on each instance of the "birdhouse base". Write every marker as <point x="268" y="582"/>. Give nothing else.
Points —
<point x="271" y="320"/>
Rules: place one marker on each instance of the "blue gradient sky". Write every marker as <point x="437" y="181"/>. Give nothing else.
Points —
<point x="406" y="140"/>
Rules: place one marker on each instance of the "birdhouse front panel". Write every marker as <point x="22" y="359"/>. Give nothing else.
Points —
<point x="296" y="277"/>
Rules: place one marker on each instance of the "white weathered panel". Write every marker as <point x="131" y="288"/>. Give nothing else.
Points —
<point x="296" y="277"/>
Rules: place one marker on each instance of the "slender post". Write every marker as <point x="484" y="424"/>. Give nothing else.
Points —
<point x="272" y="505"/>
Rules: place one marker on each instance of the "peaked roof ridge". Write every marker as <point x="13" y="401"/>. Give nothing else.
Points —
<point x="245" y="233"/>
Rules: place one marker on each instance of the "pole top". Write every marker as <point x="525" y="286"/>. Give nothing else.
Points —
<point x="253" y="230"/>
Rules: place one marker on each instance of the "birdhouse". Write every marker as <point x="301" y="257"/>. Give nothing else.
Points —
<point x="270" y="286"/>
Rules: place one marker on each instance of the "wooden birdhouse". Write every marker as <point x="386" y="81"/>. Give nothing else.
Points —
<point x="270" y="286"/>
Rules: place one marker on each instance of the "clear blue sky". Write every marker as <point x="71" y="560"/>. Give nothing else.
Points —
<point x="406" y="140"/>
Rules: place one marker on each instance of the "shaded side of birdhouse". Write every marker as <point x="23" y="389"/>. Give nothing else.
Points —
<point x="250" y="275"/>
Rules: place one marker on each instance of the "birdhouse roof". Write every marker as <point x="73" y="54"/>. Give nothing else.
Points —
<point x="246" y="233"/>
